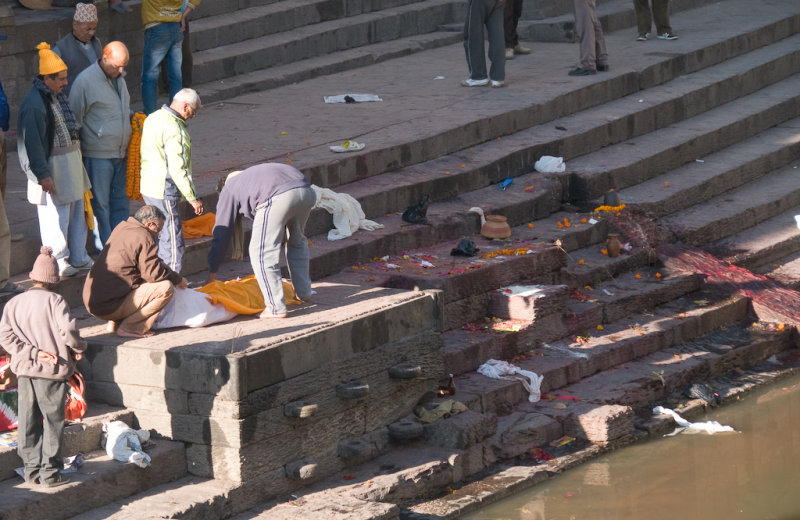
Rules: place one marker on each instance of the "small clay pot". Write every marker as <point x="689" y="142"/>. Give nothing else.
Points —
<point x="613" y="245"/>
<point x="496" y="226"/>
<point x="611" y="198"/>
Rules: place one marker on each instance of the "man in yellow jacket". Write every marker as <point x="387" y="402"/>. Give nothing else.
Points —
<point x="166" y="153"/>
<point x="164" y="23"/>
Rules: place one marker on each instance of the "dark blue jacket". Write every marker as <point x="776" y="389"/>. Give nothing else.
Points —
<point x="4" y="111"/>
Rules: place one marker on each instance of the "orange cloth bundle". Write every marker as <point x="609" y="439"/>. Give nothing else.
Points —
<point x="134" y="166"/>
<point x="199" y="226"/>
<point x="244" y="296"/>
<point x="88" y="212"/>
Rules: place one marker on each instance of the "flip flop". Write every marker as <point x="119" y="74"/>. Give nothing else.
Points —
<point x="11" y="287"/>
<point x="348" y="146"/>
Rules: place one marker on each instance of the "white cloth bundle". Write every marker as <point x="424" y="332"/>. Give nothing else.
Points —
<point x="504" y="370"/>
<point x="550" y="164"/>
<point x="190" y="308"/>
<point x="125" y="444"/>
<point x="708" y="427"/>
<point x="348" y="217"/>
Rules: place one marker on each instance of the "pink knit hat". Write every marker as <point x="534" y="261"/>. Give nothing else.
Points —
<point x="45" y="268"/>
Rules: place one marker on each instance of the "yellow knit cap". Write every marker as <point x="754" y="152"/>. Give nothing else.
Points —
<point x="49" y="62"/>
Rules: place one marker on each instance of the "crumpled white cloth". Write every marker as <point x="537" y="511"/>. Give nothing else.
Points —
<point x="358" y="98"/>
<point x="709" y="427"/>
<point x="504" y="370"/>
<point x="550" y="164"/>
<point x="190" y="308"/>
<point x="797" y="220"/>
<point x="125" y="444"/>
<point x="348" y="216"/>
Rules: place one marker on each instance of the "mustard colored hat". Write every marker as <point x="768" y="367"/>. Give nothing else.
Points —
<point x="49" y="62"/>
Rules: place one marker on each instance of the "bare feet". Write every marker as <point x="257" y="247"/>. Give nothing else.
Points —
<point x="112" y="326"/>
<point x="122" y="333"/>
<point x="266" y="314"/>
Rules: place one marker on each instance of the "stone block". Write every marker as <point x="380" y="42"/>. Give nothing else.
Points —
<point x="518" y="432"/>
<point x="603" y="425"/>
<point x="527" y="302"/>
<point x="301" y="470"/>
<point x="144" y="397"/>
<point x="461" y="431"/>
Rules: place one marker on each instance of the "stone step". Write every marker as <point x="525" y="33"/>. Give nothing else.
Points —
<point x="737" y="209"/>
<point x="81" y="437"/>
<point x="759" y="247"/>
<point x="274" y="17"/>
<point x="465" y="349"/>
<point x="344" y="60"/>
<point x="718" y="172"/>
<point x="99" y="481"/>
<point x="307" y="41"/>
<point x="785" y="271"/>
<point x="186" y="497"/>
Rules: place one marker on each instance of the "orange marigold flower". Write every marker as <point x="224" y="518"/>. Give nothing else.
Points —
<point x="604" y="251"/>
<point x="580" y="261"/>
<point x="530" y="225"/>
<point x="638" y="276"/>
<point x="584" y="221"/>
<point x="599" y="327"/>
<point x="658" y="275"/>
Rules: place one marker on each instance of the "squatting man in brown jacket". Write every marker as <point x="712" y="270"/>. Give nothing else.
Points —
<point x="129" y="284"/>
<point x="44" y="342"/>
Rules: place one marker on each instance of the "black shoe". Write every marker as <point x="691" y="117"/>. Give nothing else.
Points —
<point x="582" y="72"/>
<point x="59" y="480"/>
<point x="603" y="68"/>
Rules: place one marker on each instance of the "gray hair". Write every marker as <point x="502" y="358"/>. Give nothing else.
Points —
<point x="188" y="95"/>
<point x="147" y="214"/>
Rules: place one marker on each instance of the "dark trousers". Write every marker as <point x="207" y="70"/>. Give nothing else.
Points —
<point x="486" y="14"/>
<point x="511" y="15"/>
<point x="659" y="14"/>
<point x="41" y="426"/>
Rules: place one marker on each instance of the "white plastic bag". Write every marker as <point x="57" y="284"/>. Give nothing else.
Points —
<point x="550" y="164"/>
<point x="190" y="308"/>
<point x="124" y="444"/>
<point x="504" y="370"/>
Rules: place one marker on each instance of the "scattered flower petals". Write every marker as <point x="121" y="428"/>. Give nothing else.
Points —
<point x="638" y="276"/>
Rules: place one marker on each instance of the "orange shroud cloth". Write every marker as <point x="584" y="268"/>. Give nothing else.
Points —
<point x="244" y="296"/>
<point x="197" y="227"/>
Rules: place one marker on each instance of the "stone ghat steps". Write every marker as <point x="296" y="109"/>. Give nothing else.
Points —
<point x="785" y="271"/>
<point x="625" y="325"/>
<point x="78" y="437"/>
<point x="712" y="174"/>
<point x="310" y="38"/>
<point x="501" y="425"/>
<point x="100" y="480"/>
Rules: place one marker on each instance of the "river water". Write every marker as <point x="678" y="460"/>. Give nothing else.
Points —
<point x="753" y="474"/>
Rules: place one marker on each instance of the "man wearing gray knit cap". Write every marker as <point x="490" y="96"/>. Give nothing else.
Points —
<point x="80" y="48"/>
<point x="44" y="342"/>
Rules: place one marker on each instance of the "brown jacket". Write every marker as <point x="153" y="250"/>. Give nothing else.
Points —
<point x="129" y="259"/>
<point x="40" y="320"/>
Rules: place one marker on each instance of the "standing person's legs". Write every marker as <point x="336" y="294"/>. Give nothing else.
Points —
<point x="497" y="50"/>
<point x="661" y="16"/>
<point x="100" y="174"/>
<point x="600" y="52"/>
<point x="53" y="221"/>
<point x="643" y="16"/>
<point x="51" y="397"/>
<point x="77" y="230"/>
<point x="300" y="203"/>
<point x="119" y="203"/>
<point x="510" y="20"/>
<point x="584" y="27"/>
<point x="157" y="43"/>
<point x="170" y="241"/>
<point x="174" y="62"/>
<point x="473" y="40"/>
<point x="30" y="429"/>
<point x="5" y="229"/>
<point x="265" y="252"/>
<point x="139" y="310"/>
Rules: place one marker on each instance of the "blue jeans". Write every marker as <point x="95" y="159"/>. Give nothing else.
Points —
<point x="161" y="42"/>
<point x="109" y="200"/>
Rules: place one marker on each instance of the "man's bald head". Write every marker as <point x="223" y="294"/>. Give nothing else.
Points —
<point x="114" y="60"/>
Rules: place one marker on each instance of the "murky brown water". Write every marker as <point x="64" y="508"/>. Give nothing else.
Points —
<point x="754" y="474"/>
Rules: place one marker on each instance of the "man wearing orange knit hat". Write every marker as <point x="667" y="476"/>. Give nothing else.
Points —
<point x="50" y="155"/>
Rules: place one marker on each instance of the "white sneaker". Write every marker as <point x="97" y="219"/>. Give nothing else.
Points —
<point x="469" y="82"/>
<point x="498" y="84"/>
<point x="667" y="36"/>
<point x="67" y="271"/>
<point x="519" y="49"/>
<point x="87" y="265"/>
<point x="643" y="37"/>
<point x="509" y="53"/>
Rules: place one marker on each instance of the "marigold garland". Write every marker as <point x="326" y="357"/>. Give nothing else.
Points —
<point x="134" y="165"/>
<point x="610" y="209"/>
<point x="507" y="252"/>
